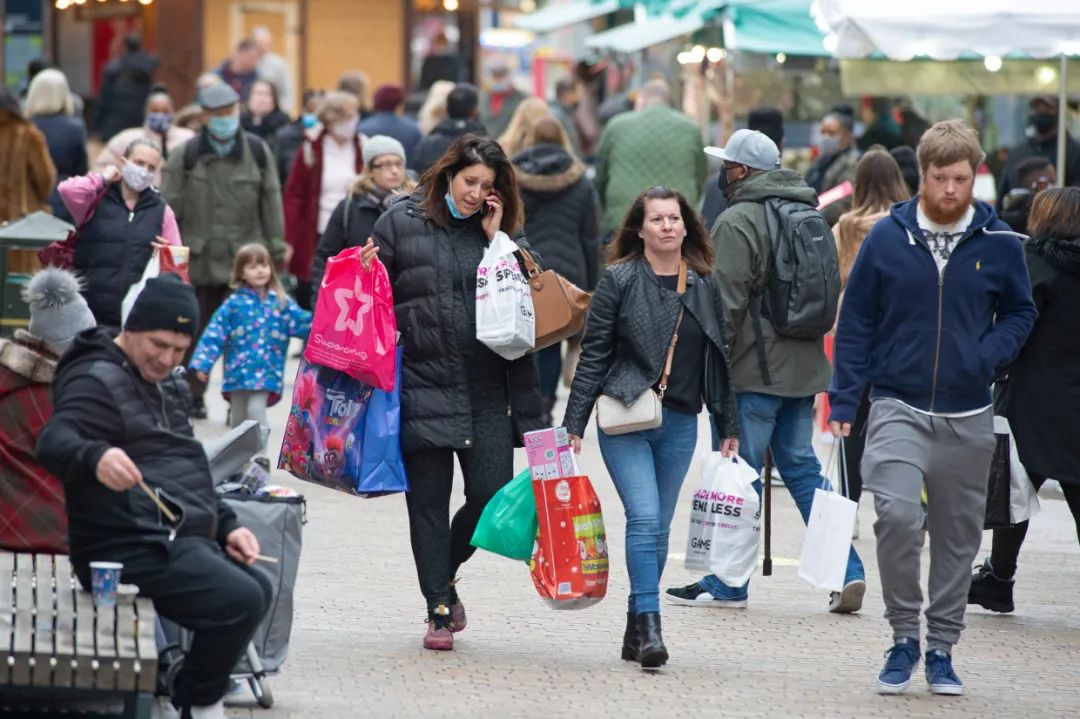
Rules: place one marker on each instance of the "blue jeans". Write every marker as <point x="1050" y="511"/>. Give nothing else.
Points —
<point x="786" y="426"/>
<point x="648" y="469"/>
<point x="549" y="366"/>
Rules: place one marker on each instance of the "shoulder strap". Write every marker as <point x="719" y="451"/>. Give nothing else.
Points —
<point x="345" y="215"/>
<point x="681" y="288"/>
<point x="191" y="152"/>
<point x="258" y="149"/>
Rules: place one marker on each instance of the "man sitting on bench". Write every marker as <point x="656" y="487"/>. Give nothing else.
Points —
<point x="121" y="419"/>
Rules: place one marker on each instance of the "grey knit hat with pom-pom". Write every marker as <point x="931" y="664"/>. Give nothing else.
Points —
<point x="57" y="311"/>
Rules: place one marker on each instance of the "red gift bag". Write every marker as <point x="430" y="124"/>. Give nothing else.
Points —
<point x="354" y="329"/>
<point x="570" y="567"/>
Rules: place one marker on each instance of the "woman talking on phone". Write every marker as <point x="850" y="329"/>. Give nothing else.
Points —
<point x="457" y="396"/>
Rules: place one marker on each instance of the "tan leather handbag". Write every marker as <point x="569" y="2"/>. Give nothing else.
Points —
<point x="560" y="306"/>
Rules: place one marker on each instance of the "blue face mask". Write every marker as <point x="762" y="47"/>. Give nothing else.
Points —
<point x="309" y="120"/>
<point x="452" y="206"/>
<point x="224" y="128"/>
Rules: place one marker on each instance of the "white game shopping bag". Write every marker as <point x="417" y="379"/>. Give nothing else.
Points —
<point x="505" y="320"/>
<point x="828" y="535"/>
<point x="725" y="521"/>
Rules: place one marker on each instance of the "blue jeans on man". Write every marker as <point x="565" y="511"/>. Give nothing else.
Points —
<point x="648" y="469"/>
<point x="785" y="425"/>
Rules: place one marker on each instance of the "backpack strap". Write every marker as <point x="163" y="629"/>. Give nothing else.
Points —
<point x="258" y="149"/>
<point x="757" y="298"/>
<point x="191" y="152"/>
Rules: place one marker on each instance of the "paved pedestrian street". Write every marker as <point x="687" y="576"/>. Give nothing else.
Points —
<point x="356" y="642"/>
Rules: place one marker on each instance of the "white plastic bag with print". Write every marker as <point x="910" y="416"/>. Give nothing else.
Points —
<point x="505" y="321"/>
<point x="725" y="521"/>
<point x="173" y="259"/>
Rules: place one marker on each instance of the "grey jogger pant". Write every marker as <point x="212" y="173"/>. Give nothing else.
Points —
<point x="905" y="448"/>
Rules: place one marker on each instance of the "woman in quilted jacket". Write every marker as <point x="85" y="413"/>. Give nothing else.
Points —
<point x="252" y="329"/>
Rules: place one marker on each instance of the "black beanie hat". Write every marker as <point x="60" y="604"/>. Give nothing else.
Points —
<point x="165" y="303"/>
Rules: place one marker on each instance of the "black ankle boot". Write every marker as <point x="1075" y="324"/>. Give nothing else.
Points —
<point x="651" y="650"/>
<point x="630" y="638"/>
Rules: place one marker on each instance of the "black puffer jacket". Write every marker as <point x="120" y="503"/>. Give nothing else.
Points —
<point x="562" y="212"/>
<point x="631" y="322"/>
<point x="114" y="247"/>
<point x="363" y="211"/>
<point x="101" y="401"/>
<point x="435" y="398"/>
<point x="434" y="146"/>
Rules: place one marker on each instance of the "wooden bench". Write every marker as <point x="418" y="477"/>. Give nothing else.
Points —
<point x="58" y="651"/>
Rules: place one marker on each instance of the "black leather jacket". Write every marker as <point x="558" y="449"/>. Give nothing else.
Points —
<point x="631" y="322"/>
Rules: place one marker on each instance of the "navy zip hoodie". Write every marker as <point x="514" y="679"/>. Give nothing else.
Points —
<point x="933" y="341"/>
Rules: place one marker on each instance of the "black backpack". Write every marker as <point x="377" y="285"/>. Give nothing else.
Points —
<point x="802" y="292"/>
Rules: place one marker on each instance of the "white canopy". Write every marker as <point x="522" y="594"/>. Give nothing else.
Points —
<point x="949" y="30"/>
<point x="944" y="30"/>
<point x="558" y="15"/>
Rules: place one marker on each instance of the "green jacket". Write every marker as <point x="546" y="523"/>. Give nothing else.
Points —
<point x="744" y="257"/>
<point x="223" y="203"/>
<point x="643" y="149"/>
<point x="841" y="170"/>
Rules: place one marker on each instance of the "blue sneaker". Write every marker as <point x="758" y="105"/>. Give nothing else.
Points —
<point x="900" y="661"/>
<point x="940" y="675"/>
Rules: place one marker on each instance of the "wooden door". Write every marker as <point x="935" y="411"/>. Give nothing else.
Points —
<point x="282" y="18"/>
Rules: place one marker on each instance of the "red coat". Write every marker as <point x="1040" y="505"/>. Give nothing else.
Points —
<point x="302" y="191"/>
<point x="32" y="514"/>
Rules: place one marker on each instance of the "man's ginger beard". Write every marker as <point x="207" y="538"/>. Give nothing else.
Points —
<point x="944" y="214"/>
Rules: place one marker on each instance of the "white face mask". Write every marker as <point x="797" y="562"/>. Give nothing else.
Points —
<point x="136" y="177"/>
<point x="344" y="130"/>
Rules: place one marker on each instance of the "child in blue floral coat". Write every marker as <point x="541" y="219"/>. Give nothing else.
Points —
<point x="252" y="328"/>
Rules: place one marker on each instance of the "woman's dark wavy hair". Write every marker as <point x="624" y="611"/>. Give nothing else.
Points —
<point x="466" y="151"/>
<point x="627" y="244"/>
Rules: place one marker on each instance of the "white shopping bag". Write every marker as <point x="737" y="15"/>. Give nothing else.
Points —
<point x="505" y="320"/>
<point x="1023" y="499"/>
<point x="827" y="545"/>
<point x="153" y="269"/>
<point x="725" y="521"/>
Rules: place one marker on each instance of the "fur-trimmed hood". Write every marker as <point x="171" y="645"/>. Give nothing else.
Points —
<point x="547" y="168"/>
<point x="1063" y="254"/>
<point x="28" y="361"/>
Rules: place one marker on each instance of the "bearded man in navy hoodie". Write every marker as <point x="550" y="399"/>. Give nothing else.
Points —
<point x="938" y="301"/>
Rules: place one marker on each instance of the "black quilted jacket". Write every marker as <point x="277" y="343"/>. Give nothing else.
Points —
<point x="631" y="322"/>
<point x="435" y="400"/>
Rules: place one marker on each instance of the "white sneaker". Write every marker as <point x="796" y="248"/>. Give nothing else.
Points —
<point x="849" y="600"/>
<point x="214" y="711"/>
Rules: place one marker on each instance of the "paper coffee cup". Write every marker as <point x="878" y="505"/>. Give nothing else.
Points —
<point x="104" y="581"/>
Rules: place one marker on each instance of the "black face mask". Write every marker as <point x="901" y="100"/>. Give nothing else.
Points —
<point x="725" y="186"/>
<point x="1042" y="121"/>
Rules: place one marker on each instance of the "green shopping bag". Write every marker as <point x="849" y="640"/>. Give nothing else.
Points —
<point x="508" y="523"/>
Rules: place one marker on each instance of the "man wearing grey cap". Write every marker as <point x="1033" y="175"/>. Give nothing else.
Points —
<point x="775" y="377"/>
<point x="224" y="188"/>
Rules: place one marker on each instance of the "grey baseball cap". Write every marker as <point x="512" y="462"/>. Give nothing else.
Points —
<point x="748" y="147"/>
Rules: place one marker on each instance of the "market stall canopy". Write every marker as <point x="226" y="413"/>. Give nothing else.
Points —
<point x="765" y="26"/>
<point x="960" y="77"/>
<point x="648" y="30"/>
<point x="950" y="30"/>
<point x="773" y="26"/>
<point x="555" y="16"/>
